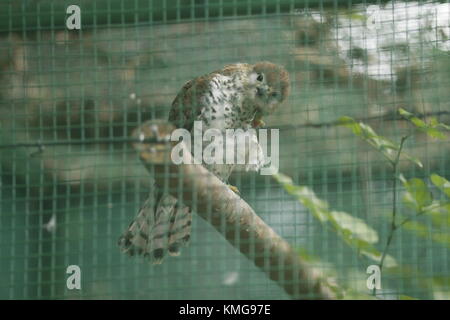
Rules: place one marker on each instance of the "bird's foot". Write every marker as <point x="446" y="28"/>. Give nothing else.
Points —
<point x="258" y="123"/>
<point x="234" y="189"/>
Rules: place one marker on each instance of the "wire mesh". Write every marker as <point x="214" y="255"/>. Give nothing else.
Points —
<point x="71" y="181"/>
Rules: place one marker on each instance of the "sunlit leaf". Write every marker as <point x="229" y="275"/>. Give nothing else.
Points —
<point x="413" y="159"/>
<point x="357" y="227"/>
<point x="352" y="124"/>
<point x="442" y="183"/>
<point x="306" y="196"/>
<point x="423" y="231"/>
<point x="376" y="140"/>
<point x="439" y="213"/>
<point x="417" y="194"/>
<point x="434" y="128"/>
<point x="375" y="255"/>
<point x="386" y="147"/>
<point x="353" y="231"/>
<point x="441" y="287"/>
<point x="444" y="126"/>
<point x="441" y="237"/>
<point x="418" y="227"/>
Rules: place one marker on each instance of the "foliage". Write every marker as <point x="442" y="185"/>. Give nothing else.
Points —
<point x="353" y="231"/>
<point x="417" y="197"/>
<point x="434" y="128"/>
<point x="386" y="147"/>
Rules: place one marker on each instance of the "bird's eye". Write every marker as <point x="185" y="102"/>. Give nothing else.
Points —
<point x="260" y="77"/>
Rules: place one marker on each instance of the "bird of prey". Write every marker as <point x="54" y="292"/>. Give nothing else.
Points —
<point x="234" y="97"/>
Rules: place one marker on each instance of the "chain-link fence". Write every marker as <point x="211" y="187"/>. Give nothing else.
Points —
<point x="359" y="209"/>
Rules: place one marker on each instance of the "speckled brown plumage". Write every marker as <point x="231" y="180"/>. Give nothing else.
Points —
<point x="230" y="98"/>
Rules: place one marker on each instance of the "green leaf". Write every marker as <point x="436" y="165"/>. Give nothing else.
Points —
<point x="283" y="179"/>
<point x="418" y="227"/>
<point x="440" y="288"/>
<point x="385" y="146"/>
<point x="441" y="237"/>
<point x="423" y="231"/>
<point x="434" y="128"/>
<point x="413" y="160"/>
<point x="307" y="197"/>
<point x="375" y="255"/>
<point x="417" y="195"/>
<point x="405" y="113"/>
<point x="444" y="126"/>
<point x="442" y="183"/>
<point x="353" y="231"/>
<point x="439" y="213"/>
<point x="356" y="227"/>
<point x="352" y="124"/>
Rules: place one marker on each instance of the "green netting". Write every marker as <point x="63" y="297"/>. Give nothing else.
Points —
<point x="71" y="181"/>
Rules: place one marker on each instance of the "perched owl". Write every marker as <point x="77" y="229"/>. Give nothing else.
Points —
<point x="235" y="97"/>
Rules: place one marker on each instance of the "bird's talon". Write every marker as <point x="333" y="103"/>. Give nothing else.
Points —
<point x="258" y="123"/>
<point x="234" y="189"/>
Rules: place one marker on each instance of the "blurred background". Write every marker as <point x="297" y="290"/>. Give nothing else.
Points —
<point x="70" y="183"/>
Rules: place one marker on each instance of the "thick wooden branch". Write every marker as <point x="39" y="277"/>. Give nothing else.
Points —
<point x="228" y="213"/>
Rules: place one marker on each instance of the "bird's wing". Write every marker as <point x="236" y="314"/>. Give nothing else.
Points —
<point x="188" y="104"/>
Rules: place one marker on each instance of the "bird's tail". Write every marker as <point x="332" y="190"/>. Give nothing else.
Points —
<point x="162" y="226"/>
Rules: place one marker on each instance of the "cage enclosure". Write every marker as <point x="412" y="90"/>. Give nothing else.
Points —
<point x="358" y="209"/>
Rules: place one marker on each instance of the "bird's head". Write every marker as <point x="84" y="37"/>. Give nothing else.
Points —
<point x="270" y="87"/>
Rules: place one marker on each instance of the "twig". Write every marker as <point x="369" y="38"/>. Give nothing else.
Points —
<point x="408" y="219"/>
<point x="231" y="216"/>
<point x="394" y="206"/>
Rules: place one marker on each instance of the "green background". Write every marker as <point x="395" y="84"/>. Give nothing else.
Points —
<point x="125" y="66"/>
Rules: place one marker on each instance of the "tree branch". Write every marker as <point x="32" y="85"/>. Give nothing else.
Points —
<point x="40" y="145"/>
<point x="228" y="213"/>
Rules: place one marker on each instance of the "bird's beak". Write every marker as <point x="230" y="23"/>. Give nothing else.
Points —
<point x="261" y="92"/>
